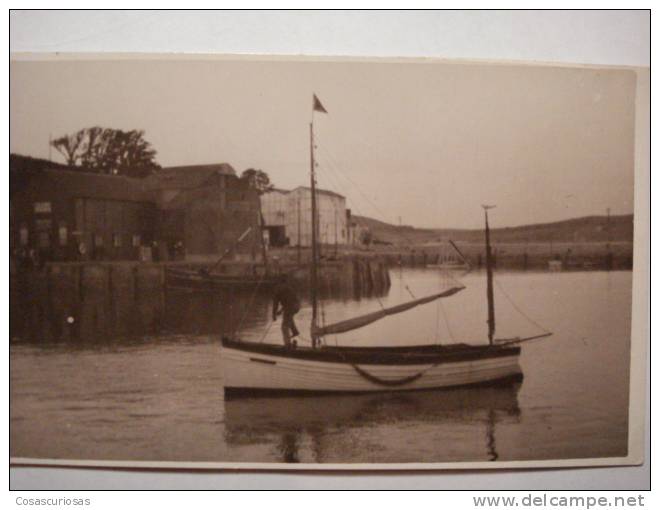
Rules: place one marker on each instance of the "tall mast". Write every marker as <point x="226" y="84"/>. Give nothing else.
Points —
<point x="298" y="206"/>
<point x="489" y="279"/>
<point x="316" y="107"/>
<point x="264" y="252"/>
<point x="336" y="241"/>
<point x="314" y="269"/>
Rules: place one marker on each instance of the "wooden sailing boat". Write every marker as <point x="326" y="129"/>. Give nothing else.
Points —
<point x="206" y="279"/>
<point x="257" y="368"/>
<point x="450" y="262"/>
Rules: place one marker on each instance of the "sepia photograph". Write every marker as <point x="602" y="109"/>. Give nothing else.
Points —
<point x="271" y="262"/>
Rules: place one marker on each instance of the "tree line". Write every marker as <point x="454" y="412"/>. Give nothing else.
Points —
<point x="116" y="152"/>
<point x="108" y="151"/>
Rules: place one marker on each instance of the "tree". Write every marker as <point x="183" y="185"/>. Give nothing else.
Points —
<point x="108" y="151"/>
<point x="258" y="179"/>
<point x="70" y="147"/>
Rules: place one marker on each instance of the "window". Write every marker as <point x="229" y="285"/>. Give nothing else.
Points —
<point x="23" y="235"/>
<point x="136" y="240"/>
<point x="63" y="234"/>
<point x="42" y="207"/>
<point x="116" y="240"/>
<point x="42" y="224"/>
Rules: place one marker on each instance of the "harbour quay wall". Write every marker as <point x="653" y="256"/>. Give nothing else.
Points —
<point x="105" y="300"/>
<point x="94" y="300"/>
<point x="573" y="255"/>
<point x="357" y="274"/>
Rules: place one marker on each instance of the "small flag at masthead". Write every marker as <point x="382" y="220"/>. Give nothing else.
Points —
<point x="318" y="107"/>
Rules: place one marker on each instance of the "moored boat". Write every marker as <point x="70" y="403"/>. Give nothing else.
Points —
<point x="449" y="266"/>
<point x="257" y="368"/>
<point x="207" y="279"/>
<point x="201" y="280"/>
<point x="451" y="262"/>
<point x="253" y="369"/>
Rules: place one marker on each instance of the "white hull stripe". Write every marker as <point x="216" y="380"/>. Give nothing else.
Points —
<point x="246" y="370"/>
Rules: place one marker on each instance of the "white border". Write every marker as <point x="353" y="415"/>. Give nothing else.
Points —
<point x="558" y="43"/>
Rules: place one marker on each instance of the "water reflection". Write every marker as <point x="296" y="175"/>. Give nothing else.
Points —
<point x="47" y="310"/>
<point x="490" y="436"/>
<point x="158" y="368"/>
<point x="289" y="447"/>
<point x="314" y="426"/>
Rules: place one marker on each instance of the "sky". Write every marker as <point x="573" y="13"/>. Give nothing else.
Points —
<point x="424" y="143"/>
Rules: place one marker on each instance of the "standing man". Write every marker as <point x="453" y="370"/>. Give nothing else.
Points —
<point x="286" y="296"/>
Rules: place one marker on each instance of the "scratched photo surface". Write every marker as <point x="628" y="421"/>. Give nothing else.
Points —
<point x="319" y="261"/>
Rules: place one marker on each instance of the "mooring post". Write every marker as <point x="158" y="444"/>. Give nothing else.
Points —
<point x="135" y="283"/>
<point x="81" y="275"/>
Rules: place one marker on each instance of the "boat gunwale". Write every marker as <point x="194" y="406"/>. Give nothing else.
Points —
<point x="395" y="355"/>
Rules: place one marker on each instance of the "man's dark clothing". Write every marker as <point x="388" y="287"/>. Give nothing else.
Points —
<point x="286" y="297"/>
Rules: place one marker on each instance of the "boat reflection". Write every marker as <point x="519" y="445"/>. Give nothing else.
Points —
<point x="307" y="426"/>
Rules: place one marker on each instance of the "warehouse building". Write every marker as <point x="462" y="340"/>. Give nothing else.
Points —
<point x="188" y="213"/>
<point x="274" y="206"/>
<point x="72" y="215"/>
<point x="204" y="209"/>
<point x="287" y="217"/>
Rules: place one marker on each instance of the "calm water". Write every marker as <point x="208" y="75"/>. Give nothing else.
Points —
<point x="142" y="381"/>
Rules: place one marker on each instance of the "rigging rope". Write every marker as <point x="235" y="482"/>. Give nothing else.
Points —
<point x="250" y="303"/>
<point x="330" y="170"/>
<point x="336" y="172"/>
<point x="410" y="292"/>
<point x="389" y="382"/>
<point x="444" y="314"/>
<point x="261" y="340"/>
<point x="335" y="179"/>
<point x="437" y="322"/>
<point x="355" y="186"/>
<point x="508" y="298"/>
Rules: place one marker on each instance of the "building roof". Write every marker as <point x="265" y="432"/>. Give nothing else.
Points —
<point x="319" y="191"/>
<point x="77" y="181"/>
<point x="20" y="162"/>
<point x="84" y="184"/>
<point x="186" y="177"/>
<point x="277" y="190"/>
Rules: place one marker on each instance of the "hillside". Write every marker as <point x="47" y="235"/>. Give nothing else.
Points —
<point x="583" y="230"/>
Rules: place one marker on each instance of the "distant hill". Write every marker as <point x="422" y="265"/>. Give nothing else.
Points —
<point x="586" y="229"/>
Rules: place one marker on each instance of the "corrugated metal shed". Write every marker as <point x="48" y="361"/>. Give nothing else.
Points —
<point x="319" y="191"/>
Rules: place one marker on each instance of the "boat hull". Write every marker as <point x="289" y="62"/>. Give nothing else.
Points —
<point x="456" y="267"/>
<point x="185" y="279"/>
<point x="250" y="369"/>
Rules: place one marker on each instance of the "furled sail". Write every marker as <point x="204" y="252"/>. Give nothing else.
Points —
<point x="363" y="320"/>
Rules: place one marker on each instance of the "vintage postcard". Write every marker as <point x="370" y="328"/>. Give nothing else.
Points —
<point x="326" y="263"/>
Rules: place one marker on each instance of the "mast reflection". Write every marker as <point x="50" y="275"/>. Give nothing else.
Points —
<point x="310" y="427"/>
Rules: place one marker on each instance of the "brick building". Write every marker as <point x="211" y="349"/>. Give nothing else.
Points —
<point x="73" y="215"/>
<point x="191" y="212"/>
<point x="206" y="208"/>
